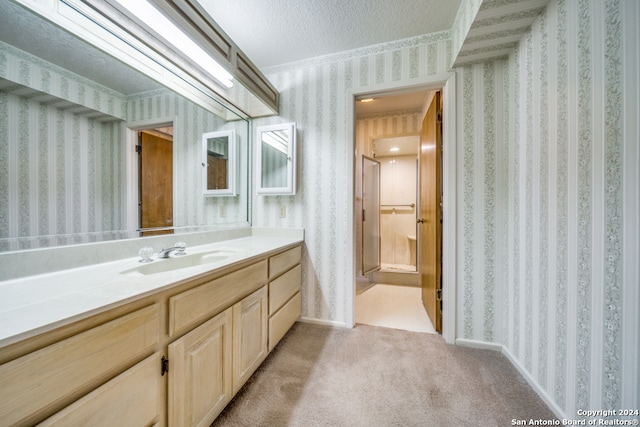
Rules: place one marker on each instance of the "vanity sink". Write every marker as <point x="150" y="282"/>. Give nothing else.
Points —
<point x="179" y="262"/>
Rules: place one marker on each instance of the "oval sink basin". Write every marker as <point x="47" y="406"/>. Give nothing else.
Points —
<point x="178" y="262"/>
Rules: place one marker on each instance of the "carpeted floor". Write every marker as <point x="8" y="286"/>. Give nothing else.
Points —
<point x="373" y="376"/>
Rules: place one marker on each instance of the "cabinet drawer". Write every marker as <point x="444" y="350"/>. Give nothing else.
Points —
<point x="131" y="398"/>
<point x="284" y="318"/>
<point x="280" y="263"/>
<point x="54" y="376"/>
<point x="283" y="288"/>
<point x="202" y="302"/>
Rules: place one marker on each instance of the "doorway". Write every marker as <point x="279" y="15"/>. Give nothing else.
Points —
<point x="150" y="164"/>
<point x="155" y="181"/>
<point x="402" y="236"/>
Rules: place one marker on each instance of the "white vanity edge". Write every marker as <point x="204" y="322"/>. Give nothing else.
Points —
<point x="39" y="303"/>
<point x="15" y="264"/>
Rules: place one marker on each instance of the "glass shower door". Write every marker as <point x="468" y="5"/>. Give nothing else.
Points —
<point x="370" y="215"/>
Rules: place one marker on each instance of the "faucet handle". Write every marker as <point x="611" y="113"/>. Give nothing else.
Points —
<point x="182" y="246"/>
<point x="145" y="254"/>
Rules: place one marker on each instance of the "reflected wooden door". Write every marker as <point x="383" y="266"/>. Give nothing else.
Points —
<point x="155" y="155"/>
<point x="430" y="221"/>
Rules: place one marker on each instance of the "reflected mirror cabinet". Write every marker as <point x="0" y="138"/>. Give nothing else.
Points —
<point x="276" y="159"/>
<point x="220" y="163"/>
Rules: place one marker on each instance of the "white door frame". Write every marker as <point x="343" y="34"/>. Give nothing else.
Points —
<point x="447" y="83"/>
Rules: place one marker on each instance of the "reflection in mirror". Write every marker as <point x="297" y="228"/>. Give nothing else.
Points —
<point x="219" y="163"/>
<point x="67" y="161"/>
<point x="276" y="155"/>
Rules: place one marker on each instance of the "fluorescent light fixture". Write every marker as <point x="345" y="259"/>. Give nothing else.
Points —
<point x="159" y="23"/>
<point x="394" y="149"/>
<point x="367" y="100"/>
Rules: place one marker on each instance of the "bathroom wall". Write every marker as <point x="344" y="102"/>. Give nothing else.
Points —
<point x="397" y="187"/>
<point x="548" y="197"/>
<point x="314" y="94"/>
<point x="547" y="193"/>
<point x="63" y="176"/>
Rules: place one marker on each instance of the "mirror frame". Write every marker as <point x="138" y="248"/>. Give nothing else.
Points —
<point x="232" y="164"/>
<point x="290" y="187"/>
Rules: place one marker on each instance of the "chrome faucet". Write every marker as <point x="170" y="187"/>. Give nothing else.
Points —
<point x="178" y="249"/>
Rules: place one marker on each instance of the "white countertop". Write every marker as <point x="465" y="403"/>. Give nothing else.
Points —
<point x="35" y="304"/>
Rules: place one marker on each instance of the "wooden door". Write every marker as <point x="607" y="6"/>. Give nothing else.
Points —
<point x="200" y="372"/>
<point x="155" y="154"/>
<point x="430" y="221"/>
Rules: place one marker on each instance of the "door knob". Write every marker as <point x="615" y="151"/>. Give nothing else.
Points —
<point x="420" y="221"/>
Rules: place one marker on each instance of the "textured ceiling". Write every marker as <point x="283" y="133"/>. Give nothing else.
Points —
<point x="275" y="32"/>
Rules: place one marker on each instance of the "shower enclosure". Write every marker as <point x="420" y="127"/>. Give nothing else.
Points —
<point x="398" y="202"/>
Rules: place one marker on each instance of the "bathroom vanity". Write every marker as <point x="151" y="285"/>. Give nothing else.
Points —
<point x="136" y="346"/>
<point x="88" y="334"/>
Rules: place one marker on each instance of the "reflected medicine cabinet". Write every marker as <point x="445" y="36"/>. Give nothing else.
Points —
<point x="220" y="163"/>
<point x="276" y="159"/>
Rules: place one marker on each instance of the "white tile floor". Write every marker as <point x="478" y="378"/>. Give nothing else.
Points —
<point x="393" y="306"/>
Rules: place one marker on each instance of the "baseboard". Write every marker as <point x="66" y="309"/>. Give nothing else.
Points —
<point x="530" y="380"/>
<point x="534" y="384"/>
<point x="479" y="344"/>
<point x="315" y="321"/>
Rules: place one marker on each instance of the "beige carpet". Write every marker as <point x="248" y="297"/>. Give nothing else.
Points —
<point x="393" y="306"/>
<point x="373" y="376"/>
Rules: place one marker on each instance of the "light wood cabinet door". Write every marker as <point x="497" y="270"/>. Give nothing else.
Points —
<point x="250" y="336"/>
<point x="132" y="398"/>
<point x="200" y="372"/>
<point x="35" y="385"/>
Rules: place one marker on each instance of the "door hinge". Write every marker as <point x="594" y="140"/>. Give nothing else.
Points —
<point x="439" y="295"/>
<point x="139" y="149"/>
<point x="439" y="117"/>
<point x="164" y="365"/>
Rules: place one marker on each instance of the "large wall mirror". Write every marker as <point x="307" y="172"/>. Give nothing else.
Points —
<point x="276" y="159"/>
<point x="72" y="119"/>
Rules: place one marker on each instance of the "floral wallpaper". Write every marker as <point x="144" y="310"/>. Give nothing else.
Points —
<point x="547" y="193"/>
<point x="314" y="95"/>
<point x="549" y="147"/>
